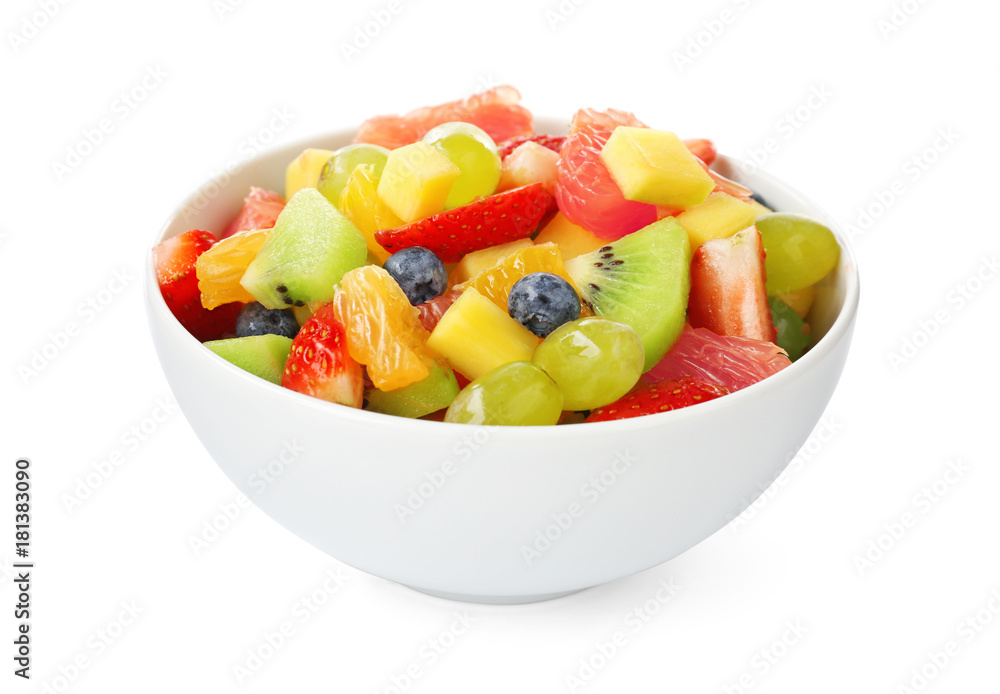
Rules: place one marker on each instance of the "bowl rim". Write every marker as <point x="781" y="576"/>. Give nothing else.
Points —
<point x="838" y="330"/>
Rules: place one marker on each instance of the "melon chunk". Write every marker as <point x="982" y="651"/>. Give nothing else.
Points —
<point x="416" y="181"/>
<point x="655" y="167"/>
<point x="719" y="217"/>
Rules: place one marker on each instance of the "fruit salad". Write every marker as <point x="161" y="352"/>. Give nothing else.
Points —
<point x="453" y="264"/>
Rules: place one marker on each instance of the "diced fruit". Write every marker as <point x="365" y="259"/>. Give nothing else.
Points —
<point x="496" y="111"/>
<point x="759" y="208"/>
<point x="792" y="331"/>
<point x="585" y="191"/>
<point x="431" y="311"/>
<point x="654" y="166"/>
<point x="319" y="363"/>
<point x="420" y="274"/>
<point x="310" y="248"/>
<point x="800" y="301"/>
<point x="221" y="267"/>
<point x="507" y="216"/>
<point x="642" y="280"/>
<point x="541" y="302"/>
<point x="719" y="217"/>
<point x="175" y="260"/>
<point x="260" y="208"/>
<point x="734" y="362"/>
<point x="553" y="142"/>
<point x="304" y="170"/>
<point x="800" y="251"/>
<point x="474" y="153"/>
<point x="662" y="396"/>
<point x="572" y="239"/>
<point x="514" y="394"/>
<point x="475" y="262"/>
<point x="416" y="181"/>
<point x="496" y="282"/>
<point x="594" y="361"/>
<point x="383" y="330"/>
<point x="476" y="336"/>
<point x="361" y="204"/>
<point x="419" y="399"/>
<point x="530" y="163"/>
<point x="342" y="164"/>
<point x="254" y="319"/>
<point x="261" y="355"/>
<point x="703" y="149"/>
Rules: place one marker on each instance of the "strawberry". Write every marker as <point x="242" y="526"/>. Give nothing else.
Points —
<point x="319" y="364"/>
<point x="553" y="142"/>
<point x="728" y="294"/>
<point x="661" y="396"/>
<point x="260" y="209"/>
<point x="174" y="260"/>
<point x="488" y="221"/>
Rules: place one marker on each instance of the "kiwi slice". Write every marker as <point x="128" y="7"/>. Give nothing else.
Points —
<point x="417" y="399"/>
<point x="310" y="248"/>
<point x="261" y="355"/>
<point x="643" y="280"/>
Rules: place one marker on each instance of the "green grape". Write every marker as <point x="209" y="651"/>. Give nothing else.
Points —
<point x="474" y="153"/>
<point x="793" y="332"/>
<point x="594" y="361"/>
<point x="799" y="251"/>
<point x="514" y="394"/>
<point x="340" y="166"/>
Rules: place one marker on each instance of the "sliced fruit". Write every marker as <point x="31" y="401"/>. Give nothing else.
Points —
<point x="800" y="301"/>
<point x="514" y="394"/>
<point x="594" y="361"/>
<point x="496" y="282"/>
<point x="490" y="221"/>
<point x="474" y="153"/>
<point x="792" y="331"/>
<point x="261" y="355"/>
<point x="719" y="217"/>
<point x="319" y="363"/>
<point x="175" y="261"/>
<point x="642" y="280"/>
<point x="496" y="111"/>
<point x="572" y="239"/>
<point x="221" y="267"/>
<point x="475" y="262"/>
<point x="662" y="396"/>
<point x="734" y="362"/>
<point x="416" y="181"/>
<point x="310" y="248"/>
<point x="342" y="164"/>
<point x="383" y="330"/>
<point x="800" y="251"/>
<point x="654" y="167"/>
<point x="304" y="170"/>
<point x="361" y="204"/>
<point x="260" y="209"/>
<point x="476" y="336"/>
<point x="419" y="399"/>
<point x="530" y="163"/>
<point x="759" y="208"/>
<point x="553" y="142"/>
<point x="728" y="293"/>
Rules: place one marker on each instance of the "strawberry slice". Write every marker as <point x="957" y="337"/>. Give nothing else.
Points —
<point x="728" y="294"/>
<point x="174" y="260"/>
<point x="484" y="222"/>
<point x="662" y="396"/>
<point x="260" y="209"/>
<point x="319" y="364"/>
<point x="553" y="142"/>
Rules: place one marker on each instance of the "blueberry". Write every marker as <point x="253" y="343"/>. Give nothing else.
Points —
<point x="421" y="274"/>
<point x="254" y="319"/>
<point x="542" y="302"/>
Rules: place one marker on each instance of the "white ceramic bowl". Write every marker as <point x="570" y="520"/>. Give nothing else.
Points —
<point x="504" y="514"/>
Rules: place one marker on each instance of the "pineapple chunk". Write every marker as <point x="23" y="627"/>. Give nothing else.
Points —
<point x="476" y="336"/>
<point x="360" y="203"/>
<point x="719" y="217"/>
<point x="304" y="170"/>
<point x="477" y="261"/>
<point x="759" y="208"/>
<point x="655" y="167"/>
<point x="416" y="181"/>
<point x="572" y="239"/>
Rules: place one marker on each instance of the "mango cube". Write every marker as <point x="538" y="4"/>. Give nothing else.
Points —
<point x="719" y="217"/>
<point x="304" y="170"/>
<point x="655" y="167"/>
<point x="416" y="181"/>
<point x="476" y="336"/>
<point x="572" y="239"/>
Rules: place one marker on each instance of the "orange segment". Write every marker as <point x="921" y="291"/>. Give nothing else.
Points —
<point x="360" y="203"/>
<point x="495" y="283"/>
<point x="383" y="330"/>
<point x="220" y="268"/>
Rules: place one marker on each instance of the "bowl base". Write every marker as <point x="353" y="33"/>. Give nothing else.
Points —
<point x="494" y="599"/>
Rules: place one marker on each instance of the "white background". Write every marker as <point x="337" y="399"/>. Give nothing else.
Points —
<point x="902" y="122"/>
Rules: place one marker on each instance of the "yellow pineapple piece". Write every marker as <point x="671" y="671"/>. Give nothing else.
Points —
<point x="304" y="170"/>
<point x="655" y="167"/>
<point x="359" y="201"/>
<point x="496" y="282"/>
<point x="416" y="181"/>
<point x="719" y="217"/>
<point x="760" y="209"/>
<point x="572" y="239"/>
<point x="220" y="268"/>
<point x="476" y="336"/>
<point x="800" y="301"/>
<point x="475" y="262"/>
